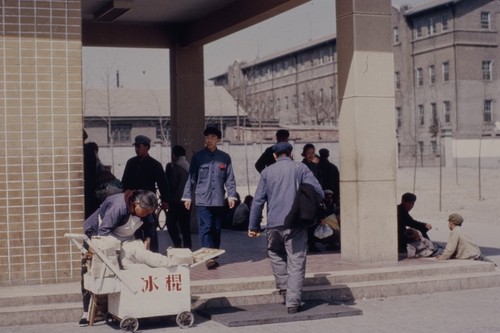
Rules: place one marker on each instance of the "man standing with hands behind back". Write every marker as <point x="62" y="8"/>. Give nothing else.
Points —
<point x="143" y="172"/>
<point x="209" y="172"/>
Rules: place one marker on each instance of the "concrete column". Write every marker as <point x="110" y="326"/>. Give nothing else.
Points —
<point x="187" y="98"/>
<point x="367" y="132"/>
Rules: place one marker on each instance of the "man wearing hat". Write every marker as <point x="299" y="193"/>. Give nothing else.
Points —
<point x="287" y="247"/>
<point x="143" y="172"/>
<point x="267" y="158"/>
<point x="210" y="171"/>
<point x="460" y="245"/>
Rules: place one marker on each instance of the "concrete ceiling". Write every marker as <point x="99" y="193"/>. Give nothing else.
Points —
<point x="163" y="23"/>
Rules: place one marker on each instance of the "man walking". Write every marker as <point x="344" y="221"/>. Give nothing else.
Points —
<point x="143" y="172"/>
<point x="210" y="171"/>
<point x="287" y="247"/>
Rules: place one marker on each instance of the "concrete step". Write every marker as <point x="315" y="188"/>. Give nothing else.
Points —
<point x="28" y="305"/>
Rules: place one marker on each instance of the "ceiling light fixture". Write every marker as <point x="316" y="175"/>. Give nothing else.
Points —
<point x="112" y="10"/>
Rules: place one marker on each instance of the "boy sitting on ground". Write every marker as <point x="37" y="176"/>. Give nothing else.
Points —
<point x="418" y="246"/>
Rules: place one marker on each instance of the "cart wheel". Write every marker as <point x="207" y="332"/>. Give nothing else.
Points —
<point x="129" y="324"/>
<point x="184" y="319"/>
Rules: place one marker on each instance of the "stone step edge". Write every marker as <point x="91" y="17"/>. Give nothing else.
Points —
<point x="234" y="296"/>
<point x="346" y="276"/>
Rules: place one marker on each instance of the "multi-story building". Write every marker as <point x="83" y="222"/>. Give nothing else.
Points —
<point x="446" y="82"/>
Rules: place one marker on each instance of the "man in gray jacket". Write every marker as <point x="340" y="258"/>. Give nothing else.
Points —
<point x="287" y="248"/>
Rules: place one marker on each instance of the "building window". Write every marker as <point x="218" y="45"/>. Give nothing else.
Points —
<point x="398" y="117"/>
<point x="121" y="133"/>
<point x="286" y="103"/>
<point x="444" y="22"/>
<point x="447" y="112"/>
<point x="420" y="77"/>
<point x="485" y="20"/>
<point x="162" y="132"/>
<point x="330" y="54"/>
<point x="434" y="114"/>
<point x="321" y="56"/>
<point x="446" y="71"/>
<point x="321" y="96"/>
<point x="432" y="74"/>
<point x="434" y="147"/>
<point x="303" y="99"/>
<point x="421" y="115"/>
<point x="295" y="101"/>
<point x="332" y="95"/>
<point x="487" y="111"/>
<point x="487" y="71"/>
<point x="278" y="104"/>
<point x="395" y="35"/>
<point x="418" y="29"/>
<point x="431" y="26"/>
<point x="397" y="80"/>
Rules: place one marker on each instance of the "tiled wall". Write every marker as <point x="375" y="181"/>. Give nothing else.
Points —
<point x="41" y="186"/>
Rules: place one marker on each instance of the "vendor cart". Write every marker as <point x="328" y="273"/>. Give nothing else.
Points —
<point x="141" y="291"/>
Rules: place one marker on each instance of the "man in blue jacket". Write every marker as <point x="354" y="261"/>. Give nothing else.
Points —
<point x="210" y="171"/>
<point x="287" y="247"/>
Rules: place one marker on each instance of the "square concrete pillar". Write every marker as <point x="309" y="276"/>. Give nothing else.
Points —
<point x="187" y="97"/>
<point x="367" y="133"/>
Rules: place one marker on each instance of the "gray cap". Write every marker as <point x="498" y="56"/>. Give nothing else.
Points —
<point x="142" y="139"/>
<point x="282" y="147"/>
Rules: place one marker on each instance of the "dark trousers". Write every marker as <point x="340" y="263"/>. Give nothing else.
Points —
<point x="209" y="225"/>
<point x="179" y="217"/>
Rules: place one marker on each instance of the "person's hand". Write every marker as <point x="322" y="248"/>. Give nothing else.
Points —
<point x="147" y="243"/>
<point x="187" y="204"/>
<point x="253" y="233"/>
<point x="164" y="205"/>
<point x="231" y="203"/>
<point x="428" y="226"/>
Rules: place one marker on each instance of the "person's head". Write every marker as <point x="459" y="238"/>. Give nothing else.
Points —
<point x="178" y="151"/>
<point x="324" y="153"/>
<point x="145" y="203"/>
<point x="282" y="148"/>
<point x="455" y="220"/>
<point x="92" y="145"/>
<point x="309" y="152"/>
<point x="142" y="144"/>
<point x="316" y="159"/>
<point x="248" y="200"/>
<point x="408" y="201"/>
<point x="329" y="197"/>
<point x="212" y="137"/>
<point x="282" y="135"/>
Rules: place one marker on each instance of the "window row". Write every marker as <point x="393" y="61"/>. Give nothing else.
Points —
<point x="301" y="100"/>
<point x="287" y="66"/>
<point x="429" y="26"/>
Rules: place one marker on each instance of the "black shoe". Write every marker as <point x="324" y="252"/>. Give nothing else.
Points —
<point x="212" y="264"/>
<point x="83" y="322"/>
<point x="294" y="309"/>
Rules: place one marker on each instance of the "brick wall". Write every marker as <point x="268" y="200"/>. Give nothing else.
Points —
<point x="40" y="138"/>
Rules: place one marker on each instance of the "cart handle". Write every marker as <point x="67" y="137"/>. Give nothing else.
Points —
<point x="101" y="256"/>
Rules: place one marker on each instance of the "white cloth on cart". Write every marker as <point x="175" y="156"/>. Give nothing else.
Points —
<point x="134" y="252"/>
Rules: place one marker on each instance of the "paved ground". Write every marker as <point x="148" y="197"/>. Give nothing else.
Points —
<point x="469" y="311"/>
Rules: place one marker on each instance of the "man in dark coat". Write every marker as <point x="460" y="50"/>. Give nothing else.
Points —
<point x="330" y="175"/>
<point x="405" y="220"/>
<point x="267" y="157"/>
<point x="143" y="172"/>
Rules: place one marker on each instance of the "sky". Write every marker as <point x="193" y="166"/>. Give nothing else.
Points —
<point x="149" y="68"/>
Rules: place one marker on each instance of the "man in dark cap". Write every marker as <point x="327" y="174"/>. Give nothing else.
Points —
<point x="143" y="172"/>
<point x="330" y="175"/>
<point x="405" y="220"/>
<point x="267" y="158"/>
<point x="210" y="171"/>
<point x="286" y="247"/>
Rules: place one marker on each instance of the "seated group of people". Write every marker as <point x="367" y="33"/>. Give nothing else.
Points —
<point x="414" y="241"/>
